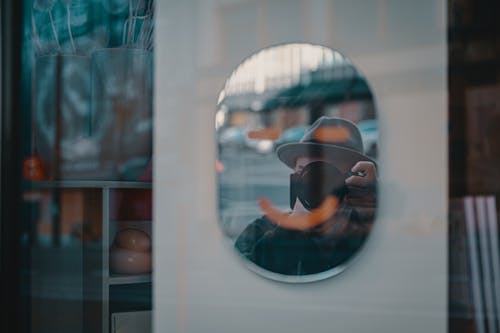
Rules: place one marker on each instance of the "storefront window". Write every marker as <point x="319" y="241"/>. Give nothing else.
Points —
<point x="350" y="182"/>
<point x="87" y="165"/>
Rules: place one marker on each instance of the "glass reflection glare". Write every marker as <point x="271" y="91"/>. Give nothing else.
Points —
<point x="303" y="110"/>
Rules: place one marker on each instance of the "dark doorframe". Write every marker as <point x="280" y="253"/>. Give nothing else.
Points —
<point x="14" y="315"/>
<point x="473" y="62"/>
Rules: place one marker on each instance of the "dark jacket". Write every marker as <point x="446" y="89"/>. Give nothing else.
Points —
<point x="292" y="252"/>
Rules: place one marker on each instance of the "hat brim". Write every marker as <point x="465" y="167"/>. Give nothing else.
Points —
<point x="288" y="153"/>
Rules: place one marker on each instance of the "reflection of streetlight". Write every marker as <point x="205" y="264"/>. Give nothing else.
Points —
<point x="222" y="95"/>
<point x="219" y="167"/>
<point x="220" y="117"/>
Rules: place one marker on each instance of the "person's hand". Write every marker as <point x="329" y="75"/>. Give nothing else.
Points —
<point x="362" y="189"/>
<point x="364" y="174"/>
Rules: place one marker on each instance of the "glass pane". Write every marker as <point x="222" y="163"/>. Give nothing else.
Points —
<point x="87" y="168"/>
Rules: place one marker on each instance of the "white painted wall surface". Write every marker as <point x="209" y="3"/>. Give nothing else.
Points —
<point x="399" y="281"/>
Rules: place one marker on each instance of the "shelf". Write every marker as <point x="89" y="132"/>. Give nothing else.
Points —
<point x="130" y="222"/>
<point x="107" y="206"/>
<point x="89" y="184"/>
<point x="129" y="279"/>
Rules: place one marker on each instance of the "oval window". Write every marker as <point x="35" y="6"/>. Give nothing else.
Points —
<point x="296" y="162"/>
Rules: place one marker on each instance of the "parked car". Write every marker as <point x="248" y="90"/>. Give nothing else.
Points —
<point x="232" y="137"/>
<point x="369" y="134"/>
<point x="261" y="146"/>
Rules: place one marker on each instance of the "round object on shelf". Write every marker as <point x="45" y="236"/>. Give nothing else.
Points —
<point x="124" y="261"/>
<point x="133" y="240"/>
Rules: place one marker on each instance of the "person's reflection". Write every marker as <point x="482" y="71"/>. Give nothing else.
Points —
<point x="332" y="201"/>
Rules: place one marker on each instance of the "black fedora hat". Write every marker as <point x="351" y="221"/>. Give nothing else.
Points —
<point x="331" y="138"/>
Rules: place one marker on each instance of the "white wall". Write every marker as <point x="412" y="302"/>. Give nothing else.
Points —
<point x="399" y="282"/>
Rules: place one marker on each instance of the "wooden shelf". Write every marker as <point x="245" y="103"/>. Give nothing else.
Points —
<point x="115" y="279"/>
<point x="88" y="184"/>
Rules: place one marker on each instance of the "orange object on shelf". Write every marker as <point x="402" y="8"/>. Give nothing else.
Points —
<point x="33" y="169"/>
